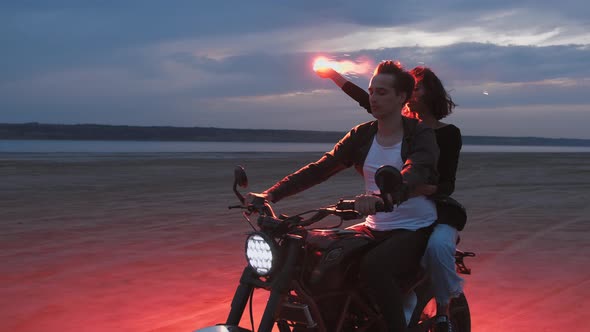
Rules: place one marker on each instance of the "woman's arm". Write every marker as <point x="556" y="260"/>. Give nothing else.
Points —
<point x="421" y="163"/>
<point x="450" y="147"/>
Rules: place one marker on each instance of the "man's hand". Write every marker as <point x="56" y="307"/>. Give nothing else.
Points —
<point x="365" y="204"/>
<point x="260" y="203"/>
<point x="326" y="72"/>
<point x="250" y="197"/>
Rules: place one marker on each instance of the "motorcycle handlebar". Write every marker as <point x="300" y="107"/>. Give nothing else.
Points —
<point x="344" y="209"/>
<point x="261" y="205"/>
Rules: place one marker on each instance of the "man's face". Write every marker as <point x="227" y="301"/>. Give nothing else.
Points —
<point x="384" y="99"/>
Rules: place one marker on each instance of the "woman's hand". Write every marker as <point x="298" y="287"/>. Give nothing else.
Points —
<point x="424" y="189"/>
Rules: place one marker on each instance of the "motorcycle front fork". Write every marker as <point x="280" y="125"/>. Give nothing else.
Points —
<point x="279" y="288"/>
<point x="238" y="303"/>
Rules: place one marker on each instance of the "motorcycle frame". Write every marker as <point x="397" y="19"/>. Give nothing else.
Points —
<point x="284" y="281"/>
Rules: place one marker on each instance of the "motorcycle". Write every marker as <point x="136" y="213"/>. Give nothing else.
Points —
<point x="312" y="273"/>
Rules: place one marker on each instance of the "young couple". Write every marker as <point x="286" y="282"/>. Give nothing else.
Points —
<point x="408" y="135"/>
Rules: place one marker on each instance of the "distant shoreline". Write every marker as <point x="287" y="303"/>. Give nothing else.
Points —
<point x="94" y="132"/>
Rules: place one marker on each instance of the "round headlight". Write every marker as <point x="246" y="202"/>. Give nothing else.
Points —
<point x="260" y="253"/>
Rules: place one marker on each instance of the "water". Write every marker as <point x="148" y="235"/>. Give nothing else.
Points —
<point x="524" y="148"/>
<point x="65" y="146"/>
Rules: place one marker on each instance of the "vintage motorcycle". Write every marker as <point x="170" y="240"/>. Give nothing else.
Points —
<point x="312" y="274"/>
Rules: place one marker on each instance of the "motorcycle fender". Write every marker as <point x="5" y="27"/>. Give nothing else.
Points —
<point x="223" y="328"/>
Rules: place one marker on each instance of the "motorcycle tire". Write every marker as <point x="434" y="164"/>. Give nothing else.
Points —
<point x="460" y="315"/>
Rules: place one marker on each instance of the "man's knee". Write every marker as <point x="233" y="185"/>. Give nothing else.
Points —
<point x="370" y="272"/>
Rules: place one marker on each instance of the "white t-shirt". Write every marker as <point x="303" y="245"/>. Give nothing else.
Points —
<point x="416" y="212"/>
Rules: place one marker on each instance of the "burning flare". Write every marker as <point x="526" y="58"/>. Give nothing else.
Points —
<point x="343" y="66"/>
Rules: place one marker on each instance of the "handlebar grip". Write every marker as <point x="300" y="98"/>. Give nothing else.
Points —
<point x="261" y="206"/>
<point x="345" y="205"/>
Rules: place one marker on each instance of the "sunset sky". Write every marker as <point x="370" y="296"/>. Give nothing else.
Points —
<point x="516" y="68"/>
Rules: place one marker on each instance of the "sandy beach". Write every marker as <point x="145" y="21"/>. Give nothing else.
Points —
<point x="145" y="242"/>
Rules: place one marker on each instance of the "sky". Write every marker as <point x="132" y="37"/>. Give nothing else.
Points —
<point x="515" y="68"/>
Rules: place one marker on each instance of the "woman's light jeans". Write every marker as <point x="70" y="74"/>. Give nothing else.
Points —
<point x="439" y="262"/>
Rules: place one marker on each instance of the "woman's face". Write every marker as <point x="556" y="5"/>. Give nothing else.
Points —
<point x="418" y="104"/>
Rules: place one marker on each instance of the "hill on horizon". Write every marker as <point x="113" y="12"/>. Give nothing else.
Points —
<point x="39" y="131"/>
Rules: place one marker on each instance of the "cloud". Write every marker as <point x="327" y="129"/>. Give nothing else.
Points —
<point x="191" y="62"/>
<point x="540" y="120"/>
<point x="512" y="76"/>
<point x="324" y="109"/>
<point x="360" y="38"/>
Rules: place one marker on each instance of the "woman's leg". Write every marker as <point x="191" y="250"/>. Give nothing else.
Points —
<point x="439" y="259"/>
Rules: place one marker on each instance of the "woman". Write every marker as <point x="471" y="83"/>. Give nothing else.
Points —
<point x="430" y="103"/>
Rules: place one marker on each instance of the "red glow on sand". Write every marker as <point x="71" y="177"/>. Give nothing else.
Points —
<point x="361" y="66"/>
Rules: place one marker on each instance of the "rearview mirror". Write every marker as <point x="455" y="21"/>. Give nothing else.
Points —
<point x="240" y="177"/>
<point x="389" y="180"/>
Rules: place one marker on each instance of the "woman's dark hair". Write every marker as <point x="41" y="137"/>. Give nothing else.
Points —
<point x="436" y="98"/>
<point x="403" y="81"/>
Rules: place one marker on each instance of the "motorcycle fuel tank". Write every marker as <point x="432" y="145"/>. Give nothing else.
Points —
<point x="331" y="253"/>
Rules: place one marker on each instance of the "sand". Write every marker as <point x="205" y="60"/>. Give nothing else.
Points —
<point x="133" y="242"/>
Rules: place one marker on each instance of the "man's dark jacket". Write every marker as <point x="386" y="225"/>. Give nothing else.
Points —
<point x="419" y="152"/>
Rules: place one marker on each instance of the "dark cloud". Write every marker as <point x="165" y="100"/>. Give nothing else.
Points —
<point x="38" y="37"/>
<point x="479" y="62"/>
<point x="41" y="36"/>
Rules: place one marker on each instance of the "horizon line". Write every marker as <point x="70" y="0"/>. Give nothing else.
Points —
<point x="260" y="129"/>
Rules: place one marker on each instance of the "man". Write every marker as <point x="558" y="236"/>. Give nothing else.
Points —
<point x="430" y="104"/>
<point x="390" y="140"/>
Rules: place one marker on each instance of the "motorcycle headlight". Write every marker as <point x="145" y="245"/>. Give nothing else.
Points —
<point x="260" y="253"/>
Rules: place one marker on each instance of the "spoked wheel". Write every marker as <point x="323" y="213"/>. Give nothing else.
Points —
<point x="283" y="326"/>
